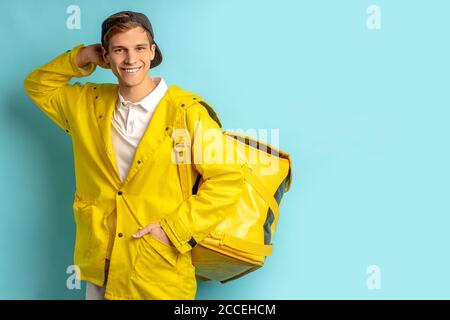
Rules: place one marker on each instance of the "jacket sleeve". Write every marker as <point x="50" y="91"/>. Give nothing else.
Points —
<point x="222" y="186"/>
<point x="48" y="86"/>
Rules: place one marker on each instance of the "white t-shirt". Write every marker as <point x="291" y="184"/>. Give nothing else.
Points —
<point x="129" y="124"/>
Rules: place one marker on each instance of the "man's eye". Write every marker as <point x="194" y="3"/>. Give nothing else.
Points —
<point x="118" y="50"/>
<point x="141" y="49"/>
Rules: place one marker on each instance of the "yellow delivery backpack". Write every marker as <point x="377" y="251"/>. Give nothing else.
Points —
<point x="241" y="242"/>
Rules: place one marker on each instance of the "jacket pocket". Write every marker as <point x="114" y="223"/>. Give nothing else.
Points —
<point x="156" y="262"/>
<point x="83" y="213"/>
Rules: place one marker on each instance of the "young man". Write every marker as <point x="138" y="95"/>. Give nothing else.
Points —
<point x="135" y="231"/>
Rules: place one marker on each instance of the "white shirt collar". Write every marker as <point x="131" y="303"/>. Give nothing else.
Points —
<point x="149" y="102"/>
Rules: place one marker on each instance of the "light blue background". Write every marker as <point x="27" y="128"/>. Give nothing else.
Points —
<point x="363" y="113"/>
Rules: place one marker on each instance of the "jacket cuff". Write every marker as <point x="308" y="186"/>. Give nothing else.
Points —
<point x="79" y="72"/>
<point x="181" y="238"/>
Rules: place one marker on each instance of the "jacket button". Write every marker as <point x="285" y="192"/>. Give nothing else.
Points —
<point x="139" y="161"/>
<point x="120" y="234"/>
<point x="119" y="193"/>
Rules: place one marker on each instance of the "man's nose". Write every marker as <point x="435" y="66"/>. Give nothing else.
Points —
<point x="130" y="58"/>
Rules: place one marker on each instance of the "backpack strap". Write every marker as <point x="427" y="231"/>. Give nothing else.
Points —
<point x="182" y="148"/>
<point x="247" y="246"/>
<point x="261" y="190"/>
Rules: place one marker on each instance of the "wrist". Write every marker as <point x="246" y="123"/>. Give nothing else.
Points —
<point x="82" y="59"/>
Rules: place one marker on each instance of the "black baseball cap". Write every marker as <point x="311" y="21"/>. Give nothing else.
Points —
<point x="130" y="16"/>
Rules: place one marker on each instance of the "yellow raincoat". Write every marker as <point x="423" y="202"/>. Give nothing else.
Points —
<point x="143" y="268"/>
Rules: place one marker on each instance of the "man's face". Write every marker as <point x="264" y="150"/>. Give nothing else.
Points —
<point x="129" y="55"/>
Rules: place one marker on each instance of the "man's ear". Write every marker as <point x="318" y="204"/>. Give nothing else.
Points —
<point x="152" y="51"/>
<point x="105" y="55"/>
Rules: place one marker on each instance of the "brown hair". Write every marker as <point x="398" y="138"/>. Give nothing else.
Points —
<point x="122" y="27"/>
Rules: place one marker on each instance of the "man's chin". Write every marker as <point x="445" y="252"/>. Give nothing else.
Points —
<point x="128" y="83"/>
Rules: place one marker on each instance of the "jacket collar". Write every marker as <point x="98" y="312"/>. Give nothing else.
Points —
<point x="149" y="102"/>
<point x="160" y="126"/>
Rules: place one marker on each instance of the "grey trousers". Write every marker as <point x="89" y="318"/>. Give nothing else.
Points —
<point x="93" y="291"/>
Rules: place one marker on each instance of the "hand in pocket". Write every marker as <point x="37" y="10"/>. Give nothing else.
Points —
<point x="155" y="230"/>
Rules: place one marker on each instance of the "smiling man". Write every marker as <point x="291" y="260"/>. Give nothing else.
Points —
<point x="134" y="231"/>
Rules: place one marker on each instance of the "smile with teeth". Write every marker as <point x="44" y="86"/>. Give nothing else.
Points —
<point x="131" y="70"/>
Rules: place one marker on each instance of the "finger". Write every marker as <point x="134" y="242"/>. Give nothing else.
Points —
<point x="98" y="48"/>
<point x="143" y="231"/>
<point x="104" y="65"/>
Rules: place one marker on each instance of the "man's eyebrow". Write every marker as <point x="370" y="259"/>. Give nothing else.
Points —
<point x="137" y="45"/>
